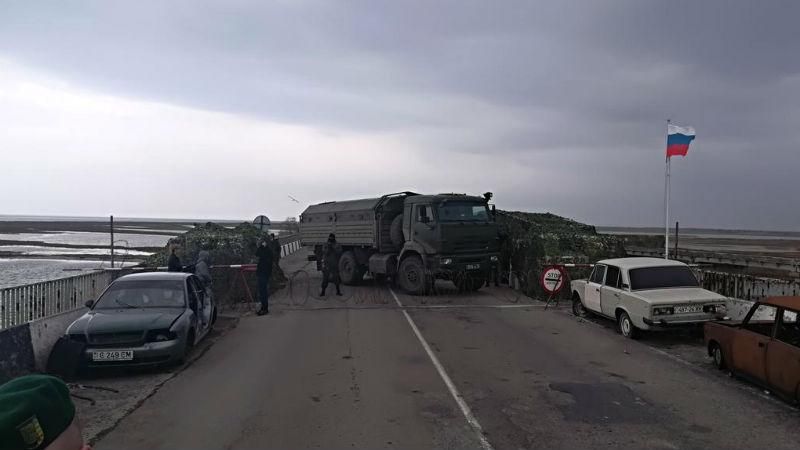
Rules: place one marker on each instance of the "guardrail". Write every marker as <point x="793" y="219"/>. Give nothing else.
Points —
<point x="22" y="304"/>
<point x="746" y="287"/>
<point x="291" y="247"/>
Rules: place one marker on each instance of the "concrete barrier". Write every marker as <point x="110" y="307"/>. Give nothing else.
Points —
<point x="45" y="332"/>
<point x="16" y="353"/>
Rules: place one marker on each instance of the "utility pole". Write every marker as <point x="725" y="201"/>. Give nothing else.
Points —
<point x="112" y="241"/>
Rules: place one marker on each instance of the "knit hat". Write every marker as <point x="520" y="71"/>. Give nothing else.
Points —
<point x="34" y="411"/>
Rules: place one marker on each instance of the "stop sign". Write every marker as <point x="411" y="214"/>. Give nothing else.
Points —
<point x="553" y="279"/>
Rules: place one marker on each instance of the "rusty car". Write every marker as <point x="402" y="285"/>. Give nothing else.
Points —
<point x="763" y="348"/>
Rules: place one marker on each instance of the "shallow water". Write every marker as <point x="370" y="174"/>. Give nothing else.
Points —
<point x="89" y="238"/>
<point x="35" y="250"/>
<point x="16" y="272"/>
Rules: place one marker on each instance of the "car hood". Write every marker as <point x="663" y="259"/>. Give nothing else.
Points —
<point x="121" y="320"/>
<point x="679" y="295"/>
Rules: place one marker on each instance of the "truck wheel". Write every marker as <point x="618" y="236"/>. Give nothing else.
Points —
<point x="577" y="307"/>
<point x="412" y="277"/>
<point x="718" y="356"/>
<point x="396" y="232"/>
<point x="468" y="283"/>
<point x="349" y="271"/>
<point x="626" y="326"/>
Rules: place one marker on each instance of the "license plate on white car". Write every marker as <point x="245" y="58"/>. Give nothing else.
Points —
<point x="112" y="355"/>
<point x="688" y="309"/>
<point x="473" y="266"/>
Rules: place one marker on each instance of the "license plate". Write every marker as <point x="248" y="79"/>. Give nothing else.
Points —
<point x="113" y="355"/>
<point x="688" y="309"/>
<point x="473" y="266"/>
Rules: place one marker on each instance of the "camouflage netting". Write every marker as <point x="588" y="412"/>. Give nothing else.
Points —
<point x="226" y="246"/>
<point x="533" y="240"/>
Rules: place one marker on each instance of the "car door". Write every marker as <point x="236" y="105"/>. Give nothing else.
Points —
<point x="610" y="292"/>
<point x="783" y="355"/>
<point x="749" y="346"/>
<point x="591" y="296"/>
<point x="194" y="304"/>
<point x="204" y="303"/>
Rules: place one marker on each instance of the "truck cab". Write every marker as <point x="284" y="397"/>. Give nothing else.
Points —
<point x="452" y="237"/>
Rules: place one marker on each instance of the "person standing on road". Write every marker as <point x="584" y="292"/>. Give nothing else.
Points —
<point x="37" y="413"/>
<point x="276" y="248"/>
<point x="174" y="263"/>
<point x="203" y="271"/>
<point x="330" y="265"/>
<point x="263" y="274"/>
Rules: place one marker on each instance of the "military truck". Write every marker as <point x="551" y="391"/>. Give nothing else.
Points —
<point x="411" y="238"/>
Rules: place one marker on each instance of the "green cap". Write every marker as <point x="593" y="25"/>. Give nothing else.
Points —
<point x="34" y="411"/>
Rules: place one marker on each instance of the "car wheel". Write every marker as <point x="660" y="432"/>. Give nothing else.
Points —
<point x="717" y="356"/>
<point x="577" y="307"/>
<point x="188" y="345"/>
<point x="626" y="326"/>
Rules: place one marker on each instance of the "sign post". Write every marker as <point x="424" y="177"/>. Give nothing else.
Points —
<point x="553" y="280"/>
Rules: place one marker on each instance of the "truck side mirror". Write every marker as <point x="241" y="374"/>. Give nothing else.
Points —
<point x="89" y="303"/>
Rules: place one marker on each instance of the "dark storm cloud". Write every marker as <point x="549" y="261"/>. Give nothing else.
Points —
<point x="578" y="89"/>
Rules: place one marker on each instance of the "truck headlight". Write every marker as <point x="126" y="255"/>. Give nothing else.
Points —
<point x="663" y="311"/>
<point x="446" y="261"/>
<point x="493" y="258"/>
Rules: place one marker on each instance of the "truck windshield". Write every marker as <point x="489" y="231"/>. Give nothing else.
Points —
<point x="463" y="211"/>
<point x="662" y="277"/>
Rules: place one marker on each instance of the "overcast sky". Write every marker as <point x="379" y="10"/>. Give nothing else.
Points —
<point x="224" y="109"/>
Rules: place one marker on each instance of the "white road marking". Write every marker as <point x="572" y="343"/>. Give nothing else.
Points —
<point x="471" y="420"/>
<point x="388" y="307"/>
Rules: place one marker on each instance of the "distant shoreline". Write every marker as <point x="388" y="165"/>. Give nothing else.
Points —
<point x="698" y="231"/>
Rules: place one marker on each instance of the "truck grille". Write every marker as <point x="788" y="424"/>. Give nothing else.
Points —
<point x="116" y="338"/>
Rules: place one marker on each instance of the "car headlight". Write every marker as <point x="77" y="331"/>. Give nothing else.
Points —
<point x="493" y="258"/>
<point x="446" y="261"/>
<point x="715" y="309"/>
<point x="161" y="335"/>
<point x="663" y="310"/>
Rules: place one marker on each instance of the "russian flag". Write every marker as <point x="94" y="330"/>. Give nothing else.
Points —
<point x="678" y="139"/>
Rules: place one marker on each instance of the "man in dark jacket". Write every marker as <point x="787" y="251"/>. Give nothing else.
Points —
<point x="276" y="247"/>
<point x="263" y="274"/>
<point x="174" y="263"/>
<point x="330" y="264"/>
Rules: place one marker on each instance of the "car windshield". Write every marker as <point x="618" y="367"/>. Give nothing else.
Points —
<point x="662" y="277"/>
<point x="463" y="211"/>
<point x="143" y="294"/>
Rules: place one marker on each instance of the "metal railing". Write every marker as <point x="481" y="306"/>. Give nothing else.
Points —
<point x="291" y="247"/>
<point x="22" y="304"/>
<point x="746" y="287"/>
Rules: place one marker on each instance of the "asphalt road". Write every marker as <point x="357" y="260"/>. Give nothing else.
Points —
<point x="499" y="373"/>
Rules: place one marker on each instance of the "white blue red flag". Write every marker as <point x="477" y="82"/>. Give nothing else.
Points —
<point x="678" y="139"/>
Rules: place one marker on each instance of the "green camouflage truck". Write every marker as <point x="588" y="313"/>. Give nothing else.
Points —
<point x="411" y="238"/>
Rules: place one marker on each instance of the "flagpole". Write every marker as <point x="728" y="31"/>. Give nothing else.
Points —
<point x="666" y="202"/>
<point x="666" y="212"/>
